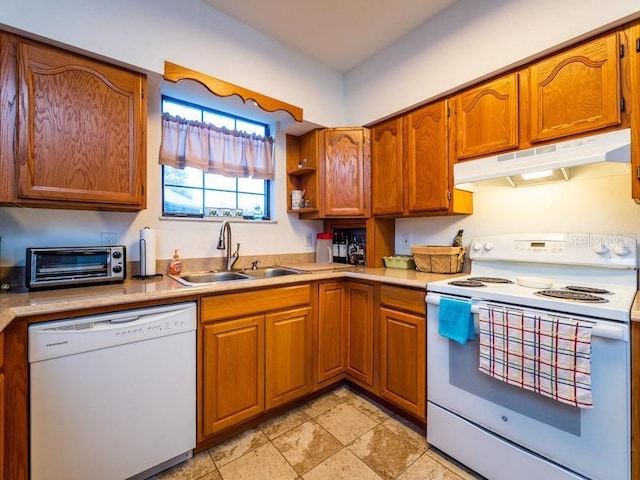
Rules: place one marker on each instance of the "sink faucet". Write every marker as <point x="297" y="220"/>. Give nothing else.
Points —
<point x="225" y="244"/>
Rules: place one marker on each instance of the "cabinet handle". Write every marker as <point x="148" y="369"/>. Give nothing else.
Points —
<point x="637" y="44"/>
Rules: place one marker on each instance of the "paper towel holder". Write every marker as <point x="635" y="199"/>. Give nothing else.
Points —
<point x="142" y="245"/>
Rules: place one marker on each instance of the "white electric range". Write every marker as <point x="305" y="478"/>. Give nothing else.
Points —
<point x="506" y="432"/>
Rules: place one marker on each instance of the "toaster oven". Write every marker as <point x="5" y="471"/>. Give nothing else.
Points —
<point x="74" y="266"/>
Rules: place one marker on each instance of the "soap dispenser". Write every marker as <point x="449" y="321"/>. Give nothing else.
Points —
<point x="175" y="267"/>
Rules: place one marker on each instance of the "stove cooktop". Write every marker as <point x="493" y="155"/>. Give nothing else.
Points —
<point x="580" y="299"/>
<point x="594" y="275"/>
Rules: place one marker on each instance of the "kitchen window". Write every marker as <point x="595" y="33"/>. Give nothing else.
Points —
<point x="191" y="192"/>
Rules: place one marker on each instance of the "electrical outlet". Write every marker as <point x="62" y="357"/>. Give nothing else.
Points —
<point x="109" y="238"/>
<point x="406" y="242"/>
<point x="309" y="240"/>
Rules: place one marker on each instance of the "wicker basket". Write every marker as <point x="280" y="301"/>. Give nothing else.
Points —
<point x="438" y="259"/>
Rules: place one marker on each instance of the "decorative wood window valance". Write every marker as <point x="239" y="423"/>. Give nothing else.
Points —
<point x="221" y="151"/>
<point x="175" y="73"/>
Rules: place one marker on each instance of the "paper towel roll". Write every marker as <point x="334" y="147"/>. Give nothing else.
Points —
<point x="147" y="252"/>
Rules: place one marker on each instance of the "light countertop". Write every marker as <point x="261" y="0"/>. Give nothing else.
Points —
<point x="53" y="302"/>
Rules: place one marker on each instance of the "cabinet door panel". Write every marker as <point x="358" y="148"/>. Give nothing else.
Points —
<point x="233" y="370"/>
<point x="346" y="172"/>
<point x="80" y="125"/>
<point x="8" y="117"/>
<point x="360" y="333"/>
<point x="288" y="350"/>
<point x="387" y="175"/>
<point x="403" y="350"/>
<point x="576" y="91"/>
<point x="427" y="159"/>
<point x="332" y="314"/>
<point x="487" y="117"/>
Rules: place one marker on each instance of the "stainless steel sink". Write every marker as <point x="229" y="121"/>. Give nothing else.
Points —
<point x="199" y="278"/>
<point x="203" y="278"/>
<point x="270" y="272"/>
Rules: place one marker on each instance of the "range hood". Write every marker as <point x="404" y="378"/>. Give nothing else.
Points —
<point x="612" y="146"/>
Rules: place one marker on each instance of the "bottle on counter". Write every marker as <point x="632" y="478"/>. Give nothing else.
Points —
<point x="336" y="248"/>
<point x="457" y="240"/>
<point x="342" y="248"/>
<point x="175" y="266"/>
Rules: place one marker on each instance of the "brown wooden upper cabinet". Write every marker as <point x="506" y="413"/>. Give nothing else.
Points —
<point x="336" y="176"/>
<point x="487" y="118"/>
<point x="345" y="173"/>
<point x="387" y="172"/>
<point x="571" y="93"/>
<point x="79" y="128"/>
<point x="410" y="167"/>
<point x="576" y="91"/>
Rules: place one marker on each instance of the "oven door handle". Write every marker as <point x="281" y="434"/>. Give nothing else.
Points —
<point x="611" y="331"/>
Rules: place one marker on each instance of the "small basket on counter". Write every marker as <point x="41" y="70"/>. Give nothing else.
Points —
<point x="399" y="261"/>
<point x="436" y="259"/>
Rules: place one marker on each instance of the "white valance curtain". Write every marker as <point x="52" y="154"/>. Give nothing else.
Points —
<point x="187" y="143"/>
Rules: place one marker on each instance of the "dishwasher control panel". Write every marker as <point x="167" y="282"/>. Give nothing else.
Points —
<point x="68" y="337"/>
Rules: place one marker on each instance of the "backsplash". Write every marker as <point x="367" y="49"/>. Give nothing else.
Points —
<point x="14" y="277"/>
<point x="599" y="204"/>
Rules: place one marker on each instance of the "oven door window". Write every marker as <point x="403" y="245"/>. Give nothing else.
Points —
<point x="85" y="264"/>
<point x="464" y="374"/>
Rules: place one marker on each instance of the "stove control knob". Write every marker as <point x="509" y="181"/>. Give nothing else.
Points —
<point x="488" y="246"/>
<point x="477" y="246"/>
<point x="600" y="248"/>
<point x="620" y="250"/>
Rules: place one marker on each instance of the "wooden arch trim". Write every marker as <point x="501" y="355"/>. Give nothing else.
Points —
<point x="174" y="73"/>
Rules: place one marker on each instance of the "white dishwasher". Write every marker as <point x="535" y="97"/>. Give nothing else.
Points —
<point x="113" y="396"/>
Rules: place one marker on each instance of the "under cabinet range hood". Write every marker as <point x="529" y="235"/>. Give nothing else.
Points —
<point x="554" y="160"/>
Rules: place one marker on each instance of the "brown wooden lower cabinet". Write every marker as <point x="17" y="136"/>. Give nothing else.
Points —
<point x="288" y="353"/>
<point x="403" y="360"/>
<point x="256" y="354"/>
<point x="403" y="348"/>
<point x="233" y="370"/>
<point x="360" y="333"/>
<point x="331" y="345"/>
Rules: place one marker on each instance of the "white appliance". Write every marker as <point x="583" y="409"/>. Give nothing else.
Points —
<point x="612" y="147"/>
<point x="112" y="396"/>
<point x="503" y="431"/>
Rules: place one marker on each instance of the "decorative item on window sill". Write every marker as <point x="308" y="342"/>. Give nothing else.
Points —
<point x="224" y="212"/>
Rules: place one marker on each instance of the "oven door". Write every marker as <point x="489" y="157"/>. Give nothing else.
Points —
<point x="593" y="442"/>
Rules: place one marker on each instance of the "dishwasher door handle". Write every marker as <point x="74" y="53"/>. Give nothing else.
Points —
<point x="125" y="319"/>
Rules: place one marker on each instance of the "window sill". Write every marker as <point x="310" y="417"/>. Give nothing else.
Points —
<point x="216" y="219"/>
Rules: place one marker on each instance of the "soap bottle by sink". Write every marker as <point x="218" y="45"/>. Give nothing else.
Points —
<point x="175" y="267"/>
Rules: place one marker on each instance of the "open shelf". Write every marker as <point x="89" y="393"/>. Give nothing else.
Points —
<point x="302" y="210"/>
<point x="298" y="172"/>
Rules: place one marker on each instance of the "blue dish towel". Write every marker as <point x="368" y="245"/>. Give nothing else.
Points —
<point x="455" y="320"/>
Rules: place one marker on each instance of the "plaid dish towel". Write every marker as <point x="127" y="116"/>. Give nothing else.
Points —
<point x="546" y="354"/>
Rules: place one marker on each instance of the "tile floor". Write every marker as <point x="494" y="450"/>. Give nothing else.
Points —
<point x="340" y="435"/>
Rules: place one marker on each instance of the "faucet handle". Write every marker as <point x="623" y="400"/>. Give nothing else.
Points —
<point x="254" y="265"/>
<point x="237" y="249"/>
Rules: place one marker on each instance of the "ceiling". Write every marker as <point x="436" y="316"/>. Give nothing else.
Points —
<point x="338" y="33"/>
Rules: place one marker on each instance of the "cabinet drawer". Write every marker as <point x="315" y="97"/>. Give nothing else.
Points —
<point x="256" y="301"/>
<point x="403" y="298"/>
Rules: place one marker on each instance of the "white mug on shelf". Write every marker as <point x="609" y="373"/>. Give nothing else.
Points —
<point x="296" y="199"/>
